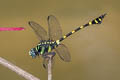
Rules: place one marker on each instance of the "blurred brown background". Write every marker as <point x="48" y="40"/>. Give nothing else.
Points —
<point x="95" y="51"/>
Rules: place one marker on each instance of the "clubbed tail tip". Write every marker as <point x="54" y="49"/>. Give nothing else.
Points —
<point x="99" y="19"/>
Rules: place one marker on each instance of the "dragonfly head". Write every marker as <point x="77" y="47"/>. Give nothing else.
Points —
<point x="33" y="52"/>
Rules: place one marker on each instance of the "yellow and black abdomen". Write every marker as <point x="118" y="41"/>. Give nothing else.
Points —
<point x="95" y="21"/>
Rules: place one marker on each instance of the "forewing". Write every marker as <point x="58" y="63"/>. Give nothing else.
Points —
<point x="63" y="53"/>
<point x="54" y="29"/>
<point x="40" y="31"/>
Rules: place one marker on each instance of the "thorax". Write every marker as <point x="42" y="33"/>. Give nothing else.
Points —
<point x="46" y="46"/>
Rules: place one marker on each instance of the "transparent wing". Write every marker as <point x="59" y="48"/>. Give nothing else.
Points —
<point x="54" y="29"/>
<point x="63" y="53"/>
<point x="40" y="31"/>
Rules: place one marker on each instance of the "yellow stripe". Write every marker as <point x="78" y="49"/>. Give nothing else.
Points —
<point x="49" y="49"/>
<point x="81" y="27"/>
<point x="73" y="31"/>
<point x="57" y="41"/>
<point x="100" y="19"/>
<point x="96" y="21"/>
<point x="64" y="37"/>
<point x="55" y="46"/>
<point x="90" y="23"/>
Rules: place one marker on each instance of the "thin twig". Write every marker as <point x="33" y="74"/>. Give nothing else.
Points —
<point x="50" y="68"/>
<point x="18" y="70"/>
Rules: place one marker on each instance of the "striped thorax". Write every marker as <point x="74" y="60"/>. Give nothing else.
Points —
<point x="45" y="46"/>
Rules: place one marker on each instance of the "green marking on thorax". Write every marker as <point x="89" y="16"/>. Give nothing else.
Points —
<point x="37" y="48"/>
<point x="42" y="50"/>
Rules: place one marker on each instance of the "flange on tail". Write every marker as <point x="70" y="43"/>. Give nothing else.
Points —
<point x="99" y="19"/>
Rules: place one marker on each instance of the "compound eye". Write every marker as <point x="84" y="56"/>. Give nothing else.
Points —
<point x="32" y="53"/>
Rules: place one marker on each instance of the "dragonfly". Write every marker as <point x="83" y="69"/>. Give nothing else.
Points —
<point x="50" y="43"/>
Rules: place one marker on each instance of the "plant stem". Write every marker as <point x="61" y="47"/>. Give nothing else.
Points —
<point x="18" y="70"/>
<point x="50" y="68"/>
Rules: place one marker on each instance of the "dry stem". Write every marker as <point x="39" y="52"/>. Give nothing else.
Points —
<point x="50" y="68"/>
<point x="18" y="70"/>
